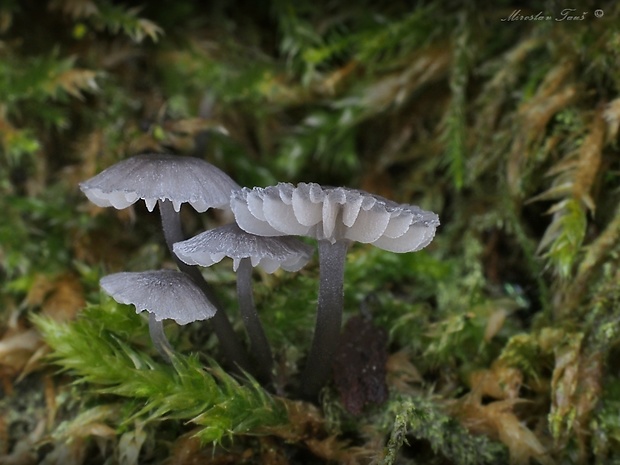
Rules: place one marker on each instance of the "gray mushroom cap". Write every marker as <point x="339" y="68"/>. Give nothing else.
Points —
<point x="333" y="214"/>
<point x="168" y="294"/>
<point x="161" y="177"/>
<point x="270" y="253"/>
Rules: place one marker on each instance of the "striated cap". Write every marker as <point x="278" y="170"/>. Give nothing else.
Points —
<point x="270" y="253"/>
<point x="161" y="177"/>
<point x="334" y="214"/>
<point x="168" y="294"/>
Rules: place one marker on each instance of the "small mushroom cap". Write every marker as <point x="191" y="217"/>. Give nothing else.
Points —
<point x="334" y="214"/>
<point x="168" y="294"/>
<point x="161" y="177"/>
<point x="270" y="253"/>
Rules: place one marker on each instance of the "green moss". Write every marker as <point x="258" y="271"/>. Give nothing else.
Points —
<point x="421" y="419"/>
<point x="94" y="348"/>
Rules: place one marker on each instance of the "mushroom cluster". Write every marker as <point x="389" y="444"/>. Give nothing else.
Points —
<point x="169" y="181"/>
<point x="265" y="220"/>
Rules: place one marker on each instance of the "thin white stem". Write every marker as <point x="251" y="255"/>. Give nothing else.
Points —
<point x="159" y="339"/>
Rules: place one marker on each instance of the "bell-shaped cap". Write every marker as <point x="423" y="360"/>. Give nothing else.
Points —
<point x="168" y="294"/>
<point x="156" y="177"/>
<point x="270" y="253"/>
<point x="333" y="214"/>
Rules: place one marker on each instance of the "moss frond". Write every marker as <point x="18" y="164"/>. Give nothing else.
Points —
<point x="575" y="174"/>
<point x="421" y="419"/>
<point x="207" y="396"/>
<point x="454" y="134"/>
<point x="105" y="15"/>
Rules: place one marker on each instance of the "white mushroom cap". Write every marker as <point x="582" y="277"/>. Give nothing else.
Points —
<point x="168" y="294"/>
<point x="161" y="177"/>
<point x="270" y="253"/>
<point x="334" y="214"/>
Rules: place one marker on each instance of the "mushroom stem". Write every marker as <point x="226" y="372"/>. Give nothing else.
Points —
<point x="159" y="339"/>
<point x="328" y="317"/>
<point x="259" y="345"/>
<point x="173" y="232"/>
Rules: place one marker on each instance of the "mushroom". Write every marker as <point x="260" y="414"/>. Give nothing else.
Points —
<point x="247" y="251"/>
<point x="165" y="294"/>
<point x="335" y="216"/>
<point x="170" y="181"/>
<point x="159" y="177"/>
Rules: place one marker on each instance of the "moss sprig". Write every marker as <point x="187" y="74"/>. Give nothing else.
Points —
<point x="421" y="419"/>
<point x="100" y="356"/>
